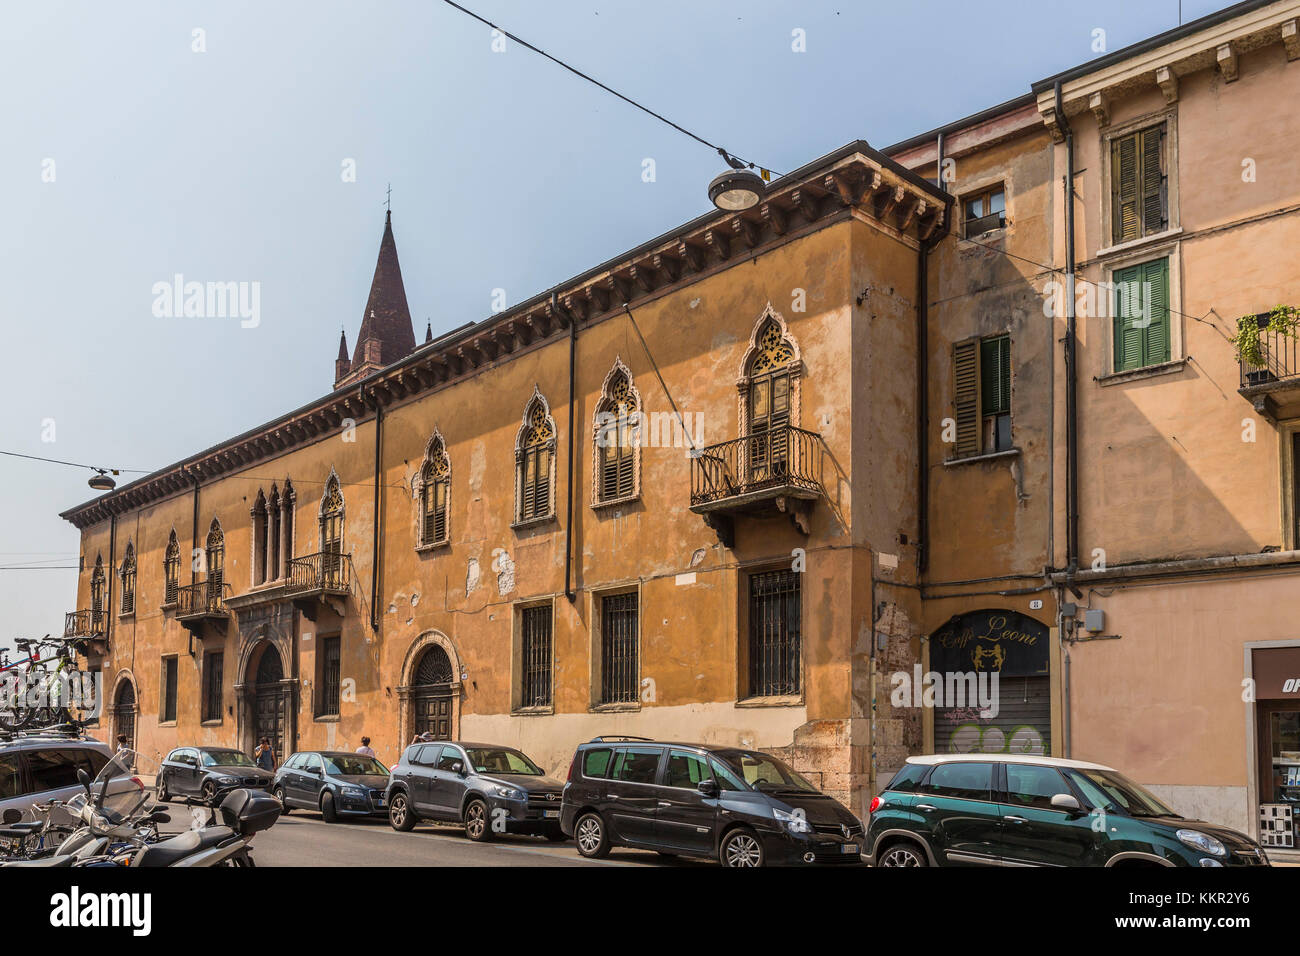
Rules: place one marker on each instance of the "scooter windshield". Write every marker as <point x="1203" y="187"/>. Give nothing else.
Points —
<point x="118" y="793"/>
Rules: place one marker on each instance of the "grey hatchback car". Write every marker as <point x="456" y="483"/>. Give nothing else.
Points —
<point x="36" y="769"/>
<point x="487" y="788"/>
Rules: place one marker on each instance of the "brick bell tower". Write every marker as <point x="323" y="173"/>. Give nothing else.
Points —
<point x="386" y="333"/>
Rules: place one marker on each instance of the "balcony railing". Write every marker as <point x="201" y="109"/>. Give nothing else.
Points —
<point x="86" y="623"/>
<point x="325" y="572"/>
<point x="781" y="461"/>
<point x="202" y="599"/>
<point x="1281" y="359"/>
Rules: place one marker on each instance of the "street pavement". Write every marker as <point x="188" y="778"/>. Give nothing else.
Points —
<point x="302" y="838"/>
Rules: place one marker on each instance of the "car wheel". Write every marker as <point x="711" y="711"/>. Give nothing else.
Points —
<point x="208" y="793"/>
<point x="590" y="837"/>
<point x="741" y="848"/>
<point x="478" y="824"/>
<point x="902" y="854"/>
<point x="327" y="808"/>
<point x="278" y="793"/>
<point x="162" y="794"/>
<point x="400" y="816"/>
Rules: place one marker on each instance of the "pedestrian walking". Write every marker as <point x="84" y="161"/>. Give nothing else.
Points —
<point x="365" y="748"/>
<point x="264" y="755"/>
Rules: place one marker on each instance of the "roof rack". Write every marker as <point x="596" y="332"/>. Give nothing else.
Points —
<point x="57" y="731"/>
<point x="610" y="737"/>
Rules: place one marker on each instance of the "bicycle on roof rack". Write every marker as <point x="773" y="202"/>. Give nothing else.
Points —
<point x="47" y="692"/>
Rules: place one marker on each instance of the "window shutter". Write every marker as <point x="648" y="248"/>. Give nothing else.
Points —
<point x="1154" y="216"/>
<point x="528" y="489"/>
<point x="1124" y="188"/>
<point x="1156" y="337"/>
<point x="995" y="375"/>
<point x="1130" y="338"/>
<point x="626" y="464"/>
<point x="966" y="375"/>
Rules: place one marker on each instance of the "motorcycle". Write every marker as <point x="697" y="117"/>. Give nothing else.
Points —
<point x="119" y="830"/>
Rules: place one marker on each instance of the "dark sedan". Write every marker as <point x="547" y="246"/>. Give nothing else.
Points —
<point x="208" y="774"/>
<point x="337" y="783"/>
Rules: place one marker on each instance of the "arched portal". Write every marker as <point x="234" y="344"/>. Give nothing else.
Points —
<point x="430" y="692"/>
<point x="270" y="699"/>
<point x="124" y="712"/>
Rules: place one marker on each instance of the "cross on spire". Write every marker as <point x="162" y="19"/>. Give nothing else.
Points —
<point x="389" y="201"/>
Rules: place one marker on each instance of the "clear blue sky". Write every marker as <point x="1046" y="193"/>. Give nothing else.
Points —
<point x="507" y="172"/>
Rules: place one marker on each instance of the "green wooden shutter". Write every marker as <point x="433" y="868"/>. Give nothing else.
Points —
<point x="995" y="376"/>
<point x="1142" y="315"/>
<point x="966" y="396"/>
<point x="1125" y="223"/>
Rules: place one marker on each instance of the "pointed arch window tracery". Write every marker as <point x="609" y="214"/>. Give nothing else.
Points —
<point x="535" y="462"/>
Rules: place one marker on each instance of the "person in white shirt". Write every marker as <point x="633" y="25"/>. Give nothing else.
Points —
<point x="365" y="747"/>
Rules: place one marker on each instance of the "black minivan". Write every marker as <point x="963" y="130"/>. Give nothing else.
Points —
<point x="740" y="807"/>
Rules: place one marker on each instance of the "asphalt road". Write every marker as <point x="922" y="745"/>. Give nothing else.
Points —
<point x="302" y="838"/>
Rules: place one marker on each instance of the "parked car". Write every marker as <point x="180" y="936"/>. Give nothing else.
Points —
<point x="39" y="768"/>
<point x="1024" y="810"/>
<point x="337" y="783"/>
<point x="740" y="807"/>
<point x="208" y="774"/>
<point x="484" y="787"/>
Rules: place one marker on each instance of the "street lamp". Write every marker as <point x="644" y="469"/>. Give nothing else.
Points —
<point x="101" y="481"/>
<point x="736" y="189"/>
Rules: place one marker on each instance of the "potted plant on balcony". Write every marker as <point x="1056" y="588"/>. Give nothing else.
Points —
<point x="1281" y="320"/>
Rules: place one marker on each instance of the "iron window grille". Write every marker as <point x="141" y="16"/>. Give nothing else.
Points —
<point x="619" y="674"/>
<point x="169" y="689"/>
<point x="536" y="651"/>
<point x="213" y="675"/>
<point x="331" y="675"/>
<point x="774" y="634"/>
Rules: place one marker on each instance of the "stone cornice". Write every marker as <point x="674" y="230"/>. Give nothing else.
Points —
<point x="855" y="180"/>
<point x="1219" y="45"/>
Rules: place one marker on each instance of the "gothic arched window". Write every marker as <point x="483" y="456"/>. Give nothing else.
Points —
<point x="171" y="569"/>
<point x="769" y="397"/>
<point x="535" y="462"/>
<point x="258" y="514"/>
<point x="331" y="531"/>
<point x="215" y="553"/>
<point x="97" y="582"/>
<point x="128" y="579"/>
<point x="435" y="492"/>
<point x="617" y="464"/>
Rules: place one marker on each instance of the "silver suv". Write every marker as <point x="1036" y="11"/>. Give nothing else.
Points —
<point x="38" y="768"/>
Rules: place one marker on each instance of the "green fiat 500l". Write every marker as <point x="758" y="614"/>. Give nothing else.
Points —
<point x="1025" y="810"/>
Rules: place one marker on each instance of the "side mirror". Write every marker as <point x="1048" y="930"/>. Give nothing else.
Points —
<point x="1065" y="801"/>
<point x="83" y="778"/>
<point x="709" y="788"/>
<point x="458" y="768"/>
<point x="12" y="816"/>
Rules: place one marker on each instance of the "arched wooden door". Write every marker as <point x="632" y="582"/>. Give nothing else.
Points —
<point x="269" y="702"/>
<point x="124" y="714"/>
<point x="431" y="694"/>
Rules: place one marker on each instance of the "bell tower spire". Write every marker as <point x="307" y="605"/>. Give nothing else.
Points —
<point x="386" y="333"/>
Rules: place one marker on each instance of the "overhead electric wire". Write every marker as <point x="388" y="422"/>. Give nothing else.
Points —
<point x="591" y="79"/>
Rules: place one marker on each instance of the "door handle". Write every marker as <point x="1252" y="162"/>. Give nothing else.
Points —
<point x="925" y="806"/>
<point x="1012" y="818"/>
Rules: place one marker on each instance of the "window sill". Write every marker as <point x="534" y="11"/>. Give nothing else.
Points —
<point x="1013" y="452"/>
<point x="541" y="711"/>
<point x="1135" y="374"/>
<point x="614" y="502"/>
<point x="444" y="544"/>
<point x="989" y="235"/>
<point x="326" y="718"/>
<point x="217" y="722"/>
<point x="783" y="700"/>
<point x="1133" y="245"/>
<point x="525" y="523"/>
<point x="167" y="723"/>
<point x="167" y="606"/>
<point x="624" y="708"/>
<point x="126" y="615"/>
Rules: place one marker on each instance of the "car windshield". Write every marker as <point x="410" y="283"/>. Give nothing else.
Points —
<point x="1111" y="791"/>
<point x="347" y="765"/>
<point x="225" y="758"/>
<point x="501" y="760"/>
<point x="763" y="772"/>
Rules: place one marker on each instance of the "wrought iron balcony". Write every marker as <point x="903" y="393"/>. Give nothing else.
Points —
<point x="315" y="577"/>
<point x="1273" y="385"/>
<point x="775" y="471"/>
<point x="85" y="623"/>
<point x="202" y="603"/>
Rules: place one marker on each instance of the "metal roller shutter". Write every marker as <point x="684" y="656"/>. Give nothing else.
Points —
<point x="1022" y="726"/>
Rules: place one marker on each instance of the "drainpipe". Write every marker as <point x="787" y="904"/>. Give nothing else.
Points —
<point x="375" y="556"/>
<point x="112" y="573"/>
<point x="568" y="488"/>
<point x="923" y="381"/>
<point x="1071" y="373"/>
<point x="194" y="531"/>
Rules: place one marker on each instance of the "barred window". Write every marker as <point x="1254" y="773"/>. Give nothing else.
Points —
<point x="213" y="667"/>
<point x="534" y="453"/>
<point x="535" y="650"/>
<point x="330" y="676"/>
<point x="619" y="674"/>
<point x="171" y="570"/>
<point x="128" y="579"/>
<point x="774" y="634"/>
